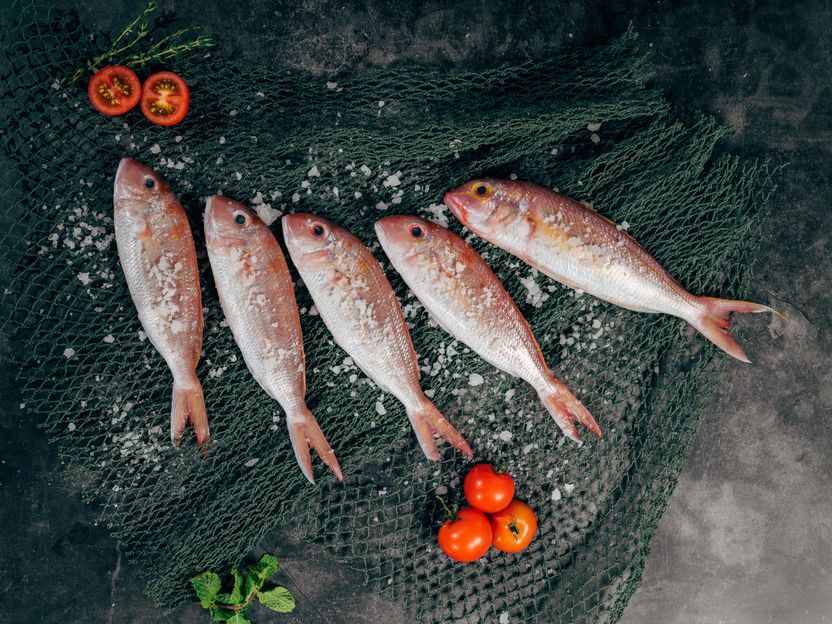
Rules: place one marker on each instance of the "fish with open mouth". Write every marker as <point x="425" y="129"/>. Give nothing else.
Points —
<point x="258" y="299"/>
<point x="576" y="246"/>
<point x="157" y="254"/>
<point x="467" y="300"/>
<point x="358" y="305"/>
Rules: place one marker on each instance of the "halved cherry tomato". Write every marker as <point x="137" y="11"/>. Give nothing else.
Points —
<point x="514" y="527"/>
<point x="165" y="98"/>
<point x="466" y="537"/>
<point x="488" y="490"/>
<point x="114" y="90"/>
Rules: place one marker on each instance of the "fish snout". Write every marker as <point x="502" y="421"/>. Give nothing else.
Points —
<point x="455" y="201"/>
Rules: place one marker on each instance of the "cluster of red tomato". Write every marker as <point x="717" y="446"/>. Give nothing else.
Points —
<point x="495" y="518"/>
<point x="116" y="89"/>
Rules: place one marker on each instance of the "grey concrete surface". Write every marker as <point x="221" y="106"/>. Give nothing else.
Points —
<point x="747" y="537"/>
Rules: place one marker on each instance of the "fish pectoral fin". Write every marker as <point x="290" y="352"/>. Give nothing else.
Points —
<point x="150" y="246"/>
<point x="304" y="432"/>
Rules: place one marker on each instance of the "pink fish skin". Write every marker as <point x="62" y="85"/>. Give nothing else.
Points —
<point x="462" y="293"/>
<point x="157" y="254"/>
<point x="258" y="299"/>
<point x="573" y="244"/>
<point x="358" y="305"/>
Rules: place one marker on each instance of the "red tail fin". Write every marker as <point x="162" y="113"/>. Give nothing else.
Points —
<point x="427" y="420"/>
<point x="305" y="431"/>
<point x="566" y="409"/>
<point x="714" y="322"/>
<point x="189" y="405"/>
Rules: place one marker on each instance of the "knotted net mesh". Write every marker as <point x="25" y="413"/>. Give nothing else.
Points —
<point x="381" y="142"/>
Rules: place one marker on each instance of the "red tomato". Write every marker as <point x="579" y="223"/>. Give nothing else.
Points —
<point x="114" y="90"/>
<point x="165" y="98"/>
<point x="466" y="537"/>
<point x="487" y="490"/>
<point x="514" y="527"/>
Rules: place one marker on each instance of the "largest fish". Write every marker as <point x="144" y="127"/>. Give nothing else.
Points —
<point x="462" y="293"/>
<point x="358" y="305"/>
<point x="576" y="246"/>
<point x="157" y="253"/>
<point x="258" y="300"/>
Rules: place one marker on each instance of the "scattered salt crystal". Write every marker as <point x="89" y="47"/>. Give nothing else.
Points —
<point x="71" y="426"/>
<point x="84" y="278"/>
<point x="441" y="490"/>
<point x="109" y="339"/>
<point x="380" y="409"/>
<point x="366" y="170"/>
<point x="430" y="393"/>
<point x="596" y="324"/>
<point x="569" y="488"/>
<point x="381" y="206"/>
<point x="505" y="618"/>
<point x="358" y="195"/>
<point x="155" y="149"/>
<point x="624" y="226"/>
<point x="295" y="198"/>
<point x="595" y="138"/>
<point x="142" y="336"/>
<point x="475" y="379"/>
<point x="593" y="127"/>
<point x="222" y="140"/>
<point x="556" y="494"/>
<point x="505" y="436"/>
<point x="527" y="449"/>
<point x="178" y="138"/>
<point x="392" y="180"/>
<point x="250" y="463"/>
<point x="313" y="172"/>
<point x="268" y="214"/>
<point x="380" y="103"/>
<point x="331" y="85"/>
<point x="69" y="352"/>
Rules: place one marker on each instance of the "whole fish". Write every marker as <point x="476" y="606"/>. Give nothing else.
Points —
<point x="462" y="293"/>
<point x="359" y="307"/>
<point x="157" y="253"/>
<point x="576" y="246"/>
<point x="258" y="299"/>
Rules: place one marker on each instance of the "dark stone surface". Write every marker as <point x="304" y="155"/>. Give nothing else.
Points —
<point x="747" y="537"/>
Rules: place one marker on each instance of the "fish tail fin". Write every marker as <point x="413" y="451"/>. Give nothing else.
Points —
<point x="426" y="420"/>
<point x="304" y="432"/>
<point x="714" y="322"/>
<point x="188" y="405"/>
<point x="566" y="409"/>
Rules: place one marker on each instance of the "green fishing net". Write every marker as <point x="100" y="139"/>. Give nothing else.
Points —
<point x="353" y="150"/>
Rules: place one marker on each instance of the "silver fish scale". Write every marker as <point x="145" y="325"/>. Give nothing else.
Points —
<point x="165" y="291"/>
<point x="467" y="300"/>
<point x="262" y="313"/>
<point x="358" y="305"/>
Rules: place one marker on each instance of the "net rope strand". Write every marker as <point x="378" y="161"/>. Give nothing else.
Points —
<point x="382" y="142"/>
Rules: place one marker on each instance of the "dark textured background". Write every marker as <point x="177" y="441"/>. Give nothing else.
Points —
<point x="747" y="537"/>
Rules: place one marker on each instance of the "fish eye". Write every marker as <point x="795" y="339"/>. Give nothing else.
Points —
<point x="417" y="231"/>
<point x="481" y="190"/>
<point x="318" y="229"/>
<point x="239" y="218"/>
<point x="149" y="182"/>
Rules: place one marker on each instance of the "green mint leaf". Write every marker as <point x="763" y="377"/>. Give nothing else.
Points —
<point x="278" y="599"/>
<point x="207" y="586"/>
<point x="238" y="618"/>
<point x="220" y="615"/>
<point x="263" y="569"/>
<point x="239" y="592"/>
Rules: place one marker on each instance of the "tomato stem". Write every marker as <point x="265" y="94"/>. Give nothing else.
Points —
<point x="449" y="515"/>
<point x="515" y="530"/>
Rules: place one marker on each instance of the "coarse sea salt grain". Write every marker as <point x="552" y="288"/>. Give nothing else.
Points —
<point x="475" y="379"/>
<point x="380" y="409"/>
<point x="569" y="488"/>
<point x="250" y="463"/>
<point x="366" y="170"/>
<point x="556" y="494"/>
<point x="155" y="149"/>
<point x="84" y="278"/>
<point x="313" y="172"/>
<point x="109" y="339"/>
<point x="505" y="618"/>
<point x="69" y="352"/>
<point x="505" y="436"/>
<point x="71" y="426"/>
